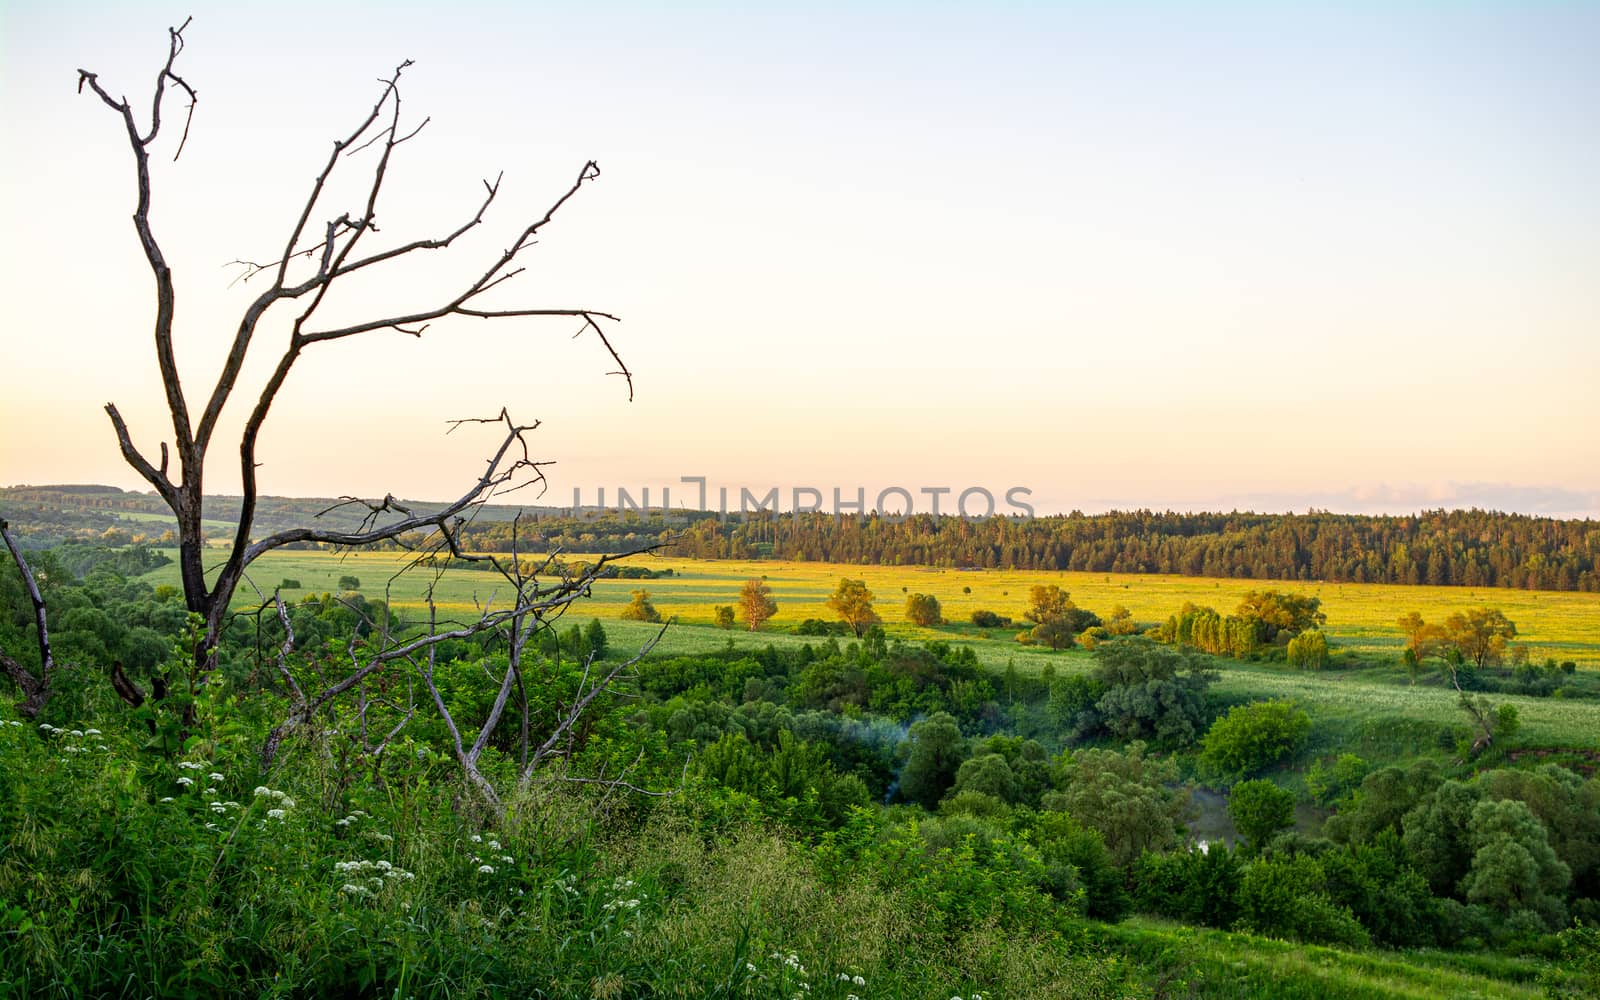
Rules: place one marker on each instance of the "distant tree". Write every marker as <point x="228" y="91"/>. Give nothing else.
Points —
<point x="640" y="609"/>
<point x="1055" y="635"/>
<point x="937" y="752"/>
<point x="1479" y="635"/>
<point x="594" y="635"/>
<point x="1121" y="621"/>
<point x="1260" y="809"/>
<point x="1309" y="650"/>
<point x="1048" y="604"/>
<point x="756" y="603"/>
<point x="349" y="583"/>
<point x="923" y="609"/>
<point x="988" y="619"/>
<point x="1273" y="612"/>
<point x="852" y="601"/>
<point x="289" y="583"/>
<point x="724" y="615"/>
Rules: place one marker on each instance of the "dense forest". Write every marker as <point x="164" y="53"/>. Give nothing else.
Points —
<point x="1471" y="548"/>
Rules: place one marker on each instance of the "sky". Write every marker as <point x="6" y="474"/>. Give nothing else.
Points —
<point x="1177" y="256"/>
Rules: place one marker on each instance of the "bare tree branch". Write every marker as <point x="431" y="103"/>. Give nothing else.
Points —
<point x="35" y="689"/>
<point x="334" y="256"/>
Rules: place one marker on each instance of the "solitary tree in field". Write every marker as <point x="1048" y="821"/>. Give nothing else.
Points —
<point x="1480" y="635"/>
<point x="756" y="603"/>
<point x="852" y="601"/>
<point x="640" y="609"/>
<point x="923" y="609"/>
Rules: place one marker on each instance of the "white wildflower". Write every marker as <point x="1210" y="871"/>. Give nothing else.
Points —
<point x="485" y="869"/>
<point x="858" y="981"/>
<point x="76" y="734"/>
<point x="186" y="781"/>
<point x="354" y="890"/>
<point x="165" y="798"/>
<point x="214" y="776"/>
<point x="86" y="732"/>
<point x="508" y="859"/>
<point x="477" y="839"/>
<point x="275" y="814"/>
<point x="262" y="790"/>
<point x="493" y="845"/>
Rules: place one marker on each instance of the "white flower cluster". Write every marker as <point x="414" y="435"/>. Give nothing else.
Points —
<point x="484" y="867"/>
<point x="351" y="819"/>
<point x="384" y="871"/>
<point x="75" y="734"/>
<point x="845" y="977"/>
<point x="284" y="802"/>
<point x="221" y="808"/>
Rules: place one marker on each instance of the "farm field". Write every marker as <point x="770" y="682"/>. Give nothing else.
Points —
<point x="1562" y="624"/>
<point x="1374" y="712"/>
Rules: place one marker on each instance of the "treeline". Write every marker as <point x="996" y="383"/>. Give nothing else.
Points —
<point x="1472" y="548"/>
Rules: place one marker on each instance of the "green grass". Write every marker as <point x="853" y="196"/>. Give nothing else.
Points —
<point x="1227" y="965"/>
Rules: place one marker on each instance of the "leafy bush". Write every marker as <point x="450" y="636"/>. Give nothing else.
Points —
<point x="1252" y="737"/>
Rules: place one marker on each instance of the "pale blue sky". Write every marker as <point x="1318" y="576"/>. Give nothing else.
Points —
<point x="1191" y="255"/>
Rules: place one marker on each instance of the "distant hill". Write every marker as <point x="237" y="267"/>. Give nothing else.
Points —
<point x="1471" y="548"/>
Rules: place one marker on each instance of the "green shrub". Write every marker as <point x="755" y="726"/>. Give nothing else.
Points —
<point x="1252" y="737"/>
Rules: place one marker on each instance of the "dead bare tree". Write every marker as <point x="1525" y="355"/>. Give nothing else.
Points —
<point x="314" y="258"/>
<point x="35" y="688"/>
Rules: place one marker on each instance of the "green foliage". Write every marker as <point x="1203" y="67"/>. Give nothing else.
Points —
<point x="348" y="582"/>
<point x="923" y="609"/>
<point x="594" y="636"/>
<point x="1513" y="866"/>
<point x="1126" y="798"/>
<point x="1329" y="784"/>
<point x="989" y="775"/>
<point x="1260" y="809"/>
<point x="1151" y="692"/>
<point x="1250" y="738"/>
<point x="1288" y="897"/>
<point x="1273" y="612"/>
<point x="852" y="602"/>
<point x="936" y="752"/>
<point x="1308" y="650"/>
<point x="724" y="616"/>
<point x="1577" y="975"/>
<point x="1195" y="885"/>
